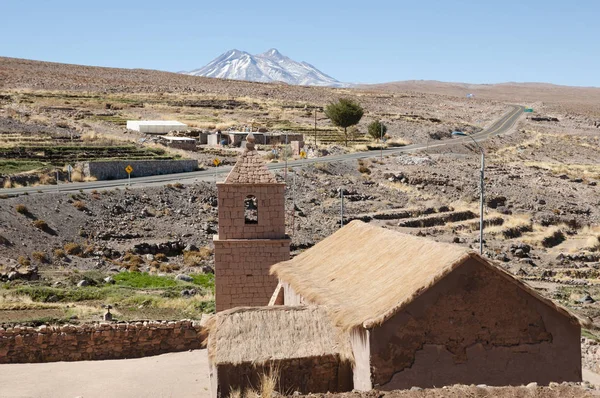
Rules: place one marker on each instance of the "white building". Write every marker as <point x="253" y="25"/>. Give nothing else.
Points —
<point x="155" y="126"/>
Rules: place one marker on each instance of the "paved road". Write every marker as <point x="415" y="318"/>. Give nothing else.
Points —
<point x="504" y="124"/>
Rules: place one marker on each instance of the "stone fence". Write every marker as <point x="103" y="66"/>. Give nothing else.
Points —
<point x="99" y="341"/>
<point x="590" y="354"/>
<point x="115" y="169"/>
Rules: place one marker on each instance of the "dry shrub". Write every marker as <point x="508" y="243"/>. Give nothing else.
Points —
<point x="164" y="268"/>
<point x="363" y="167"/>
<point x="161" y="257"/>
<point x="133" y="259"/>
<point x="267" y="388"/>
<point x="88" y="250"/>
<point x="133" y="267"/>
<point x="89" y="136"/>
<point x="195" y="258"/>
<point x="7" y="183"/>
<point x="46" y="179"/>
<point x="72" y="248"/>
<point x="167" y="268"/>
<point x="40" y="257"/>
<point x="79" y="205"/>
<point x="364" y="170"/>
<point x="593" y="243"/>
<point x="21" y="209"/>
<point x="40" y="224"/>
<point x="77" y="176"/>
<point x="24" y="261"/>
<point x="268" y="383"/>
<point x="59" y="253"/>
<point x="396" y="142"/>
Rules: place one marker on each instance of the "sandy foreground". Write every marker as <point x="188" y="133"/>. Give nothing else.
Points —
<point x="181" y="375"/>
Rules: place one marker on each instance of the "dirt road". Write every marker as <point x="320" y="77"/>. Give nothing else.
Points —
<point x="181" y="375"/>
<point x="178" y="375"/>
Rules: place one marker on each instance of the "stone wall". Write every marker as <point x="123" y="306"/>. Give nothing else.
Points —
<point x="242" y="271"/>
<point x="115" y="170"/>
<point x="590" y="354"/>
<point x="98" y="341"/>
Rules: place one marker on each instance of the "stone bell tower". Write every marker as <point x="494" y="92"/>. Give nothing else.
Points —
<point x="251" y="233"/>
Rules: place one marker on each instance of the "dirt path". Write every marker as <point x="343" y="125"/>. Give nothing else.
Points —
<point x="178" y="375"/>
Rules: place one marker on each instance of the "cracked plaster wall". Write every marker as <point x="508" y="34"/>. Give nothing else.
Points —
<point x="474" y="327"/>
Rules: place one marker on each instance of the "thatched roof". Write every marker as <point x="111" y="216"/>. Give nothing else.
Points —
<point x="261" y="334"/>
<point x="250" y="169"/>
<point x="365" y="274"/>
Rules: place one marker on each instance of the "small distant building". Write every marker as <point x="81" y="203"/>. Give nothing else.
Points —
<point x="298" y="345"/>
<point x="155" y="126"/>
<point x="236" y="138"/>
<point x="185" y="143"/>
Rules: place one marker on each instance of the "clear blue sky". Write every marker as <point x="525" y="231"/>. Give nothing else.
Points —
<point x="373" y="41"/>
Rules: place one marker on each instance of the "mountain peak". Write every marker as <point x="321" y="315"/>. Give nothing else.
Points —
<point x="270" y="66"/>
<point x="272" y="52"/>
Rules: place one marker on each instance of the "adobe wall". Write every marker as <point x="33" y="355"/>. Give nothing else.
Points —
<point x="242" y="270"/>
<point x="114" y="170"/>
<point x="475" y="327"/>
<point x="306" y="375"/>
<point x="98" y="341"/>
<point x="271" y="211"/>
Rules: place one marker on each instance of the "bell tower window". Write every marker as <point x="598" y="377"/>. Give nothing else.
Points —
<point x="251" y="210"/>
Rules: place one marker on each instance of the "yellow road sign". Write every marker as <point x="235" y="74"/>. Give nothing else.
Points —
<point x="216" y="162"/>
<point x="303" y="154"/>
<point x="128" y="169"/>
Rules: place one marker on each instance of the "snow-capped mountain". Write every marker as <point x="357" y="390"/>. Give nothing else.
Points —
<point x="270" y="66"/>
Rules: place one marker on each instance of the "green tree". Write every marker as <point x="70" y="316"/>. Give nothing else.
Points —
<point x="344" y="113"/>
<point x="377" y="129"/>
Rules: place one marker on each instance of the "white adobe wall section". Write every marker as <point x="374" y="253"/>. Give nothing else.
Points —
<point x="155" y="126"/>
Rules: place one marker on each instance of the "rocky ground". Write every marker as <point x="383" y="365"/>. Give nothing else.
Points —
<point x="460" y="391"/>
<point x="63" y="256"/>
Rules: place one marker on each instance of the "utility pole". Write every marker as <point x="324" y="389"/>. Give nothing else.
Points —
<point x="481" y="185"/>
<point x="57" y="188"/>
<point x="294" y="204"/>
<point x="341" y="207"/>
<point x="381" y="143"/>
<point x="315" y="128"/>
<point x="285" y="153"/>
